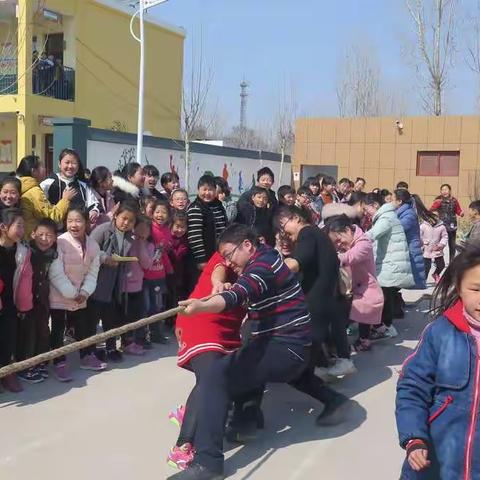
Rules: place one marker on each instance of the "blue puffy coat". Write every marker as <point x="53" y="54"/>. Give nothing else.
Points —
<point x="438" y="400"/>
<point x="409" y="220"/>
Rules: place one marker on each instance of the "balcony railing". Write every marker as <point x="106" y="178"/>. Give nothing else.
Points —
<point x="8" y="76"/>
<point x="56" y="82"/>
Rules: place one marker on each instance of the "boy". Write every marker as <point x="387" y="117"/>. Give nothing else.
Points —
<point x="286" y="195"/>
<point x="170" y="182"/>
<point x="257" y="215"/>
<point x="179" y="199"/>
<point x="473" y="234"/>
<point x="34" y="333"/>
<point x="265" y="179"/>
<point x="206" y="221"/>
<point x="151" y="179"/>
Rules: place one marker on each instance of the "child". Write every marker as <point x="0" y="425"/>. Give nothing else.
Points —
<point x="73" y="278"/>
<point x="155" y="283"/>
<point x="434" y="239"/>
<point x="10" y="188"/>
<point x="304" y="202"/>
<point x="16" y="296"/>
<point x="437" y="393"/>
<point x="151" y="179"/>
<point x="70" y="175"/>
<point x="225" y="196"/>
<point x="106" y="303"/>
<point x="130" y="185"/>
<point x="206" y="221"/>
<point x="170" y="182"/>
<point x="473" y="234"/>
<point x="148" y="206"/>
<point x="286" y="195"/>
<point x="178" y="254"/>
<point x="34" y="332"/>
<point x="179" y="199"/>
<point x="256" y="214"/>
<point x="102" y="184"/>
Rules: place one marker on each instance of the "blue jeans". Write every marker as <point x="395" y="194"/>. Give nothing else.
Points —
<point x="153" y="291"/>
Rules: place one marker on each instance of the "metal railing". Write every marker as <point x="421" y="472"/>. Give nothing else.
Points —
<point x="55" y="82"/>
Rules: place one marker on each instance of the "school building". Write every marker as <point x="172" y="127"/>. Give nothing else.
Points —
<point x="423" y="151"/>
<point x="77" y="59"/>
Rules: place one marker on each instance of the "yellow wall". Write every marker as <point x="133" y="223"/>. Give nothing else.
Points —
<point x="106" y="61"/>
<point x="374" y="148"/>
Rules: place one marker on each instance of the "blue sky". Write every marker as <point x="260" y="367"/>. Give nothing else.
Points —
<point x="273" y="43"/>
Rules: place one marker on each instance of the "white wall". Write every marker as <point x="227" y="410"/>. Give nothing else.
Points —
<point x="239" y="172"/>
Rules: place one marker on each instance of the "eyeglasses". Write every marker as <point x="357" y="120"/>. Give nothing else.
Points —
<point x="228" y="256"/>
<point x="282" y="226"/>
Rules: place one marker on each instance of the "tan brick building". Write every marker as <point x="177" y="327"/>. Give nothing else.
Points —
<point x="423" y="151"/>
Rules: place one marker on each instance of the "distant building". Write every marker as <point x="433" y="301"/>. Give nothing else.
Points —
<point x="423" y="151"/>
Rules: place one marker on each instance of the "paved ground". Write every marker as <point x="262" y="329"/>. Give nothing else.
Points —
<point x="113" y="425"/>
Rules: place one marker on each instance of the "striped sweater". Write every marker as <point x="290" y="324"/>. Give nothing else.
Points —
<point x="206" y="221"/>
<point x="275" y="300"/>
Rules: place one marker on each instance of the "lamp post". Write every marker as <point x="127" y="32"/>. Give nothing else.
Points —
<point x="143" y="6"/>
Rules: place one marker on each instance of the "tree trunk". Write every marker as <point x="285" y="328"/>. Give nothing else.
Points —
<point x="187" y="163"/>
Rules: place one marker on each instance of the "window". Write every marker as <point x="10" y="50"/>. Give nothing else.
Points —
<point x="438" y="164"/>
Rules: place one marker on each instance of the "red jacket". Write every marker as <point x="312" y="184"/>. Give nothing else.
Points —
<point x="162" y="266"/>
<point x="208" y="332"/>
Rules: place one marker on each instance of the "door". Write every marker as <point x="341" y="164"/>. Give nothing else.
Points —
<point x="48" y="153"/>
<point x="55" y="46"/>
<point x="314" y="170"/>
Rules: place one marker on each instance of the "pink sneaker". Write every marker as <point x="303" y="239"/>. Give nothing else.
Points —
<point x="62" y="372"/>
<point x="176" y="416"/>
<point x="91" y="362"/>
<point x="11" y="383"/>
<point x="181" y="457"/>
<point x="436" y="277"/>
<point x="134" y="349"/>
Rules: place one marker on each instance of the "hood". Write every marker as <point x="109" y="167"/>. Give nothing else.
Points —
<point x="385" y="208"/>
<point x="28" y="183"/>
<point x="405" y="207"/>
<point x="455" y="316"/>
<point x="333" y="209"/>
<point x="127" y="187"/>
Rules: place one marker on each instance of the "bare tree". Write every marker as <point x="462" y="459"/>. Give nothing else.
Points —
<point x="472" y="43"/>
<point x="358" y="83"/>
<point x="435" y="28"/>
<point x="194" y="102"/>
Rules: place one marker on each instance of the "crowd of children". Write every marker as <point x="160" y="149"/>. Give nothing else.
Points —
<point x="77" y="253"/>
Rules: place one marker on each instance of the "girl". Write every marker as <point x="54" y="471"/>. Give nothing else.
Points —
<point x="73" y="278"/>
<point x="178" y="255"/>
<point x="224" y="194"/>
<point x="355" y="251"/>
<point x="179" y="199"/>
<point x="313" y="185"/>
<point x="70" y="175"/>
<point x="357" y="200"/>
<point x="438" y="391"/>
<point x="33" y="202"/>
<point x="148" y="206"/>
<point x="107" y="302"/>
<point x="392" y="258"/>
<point x="102" y="184"/>
<point x="434" y="239"/>
<point x="403" y="204"/>
<point x="130" y="185"/>
<point x="16" y="298"/>
<point x="155" y="285"/>
<point x="448" y="209"/>
<point x="10" y="188"/>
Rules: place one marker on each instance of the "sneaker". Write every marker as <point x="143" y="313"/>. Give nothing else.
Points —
<point x="11" y="383"/>
<point x="197" y="472"/>
<point x="157" y="337"/>
<point x="343" y="366"/>
<point x="391" y="332"/>
<point x="181" y="457"/>
<point x="114" y="356"/>
<point x="379" y="333"/>
<point x="101" y="354"/>
<point x="43" y="370"/>
<point x="176" y="416"/>
<point x="133" y="349"/>
<point x="146" y="344"/>
<point x="30" y="376"/>
<point x="91" y="362"/>
<point x="362" y="345"/>
<point x="69" y="336"/>
<point x="335" y="412"/>
<point x="62" y="372"/>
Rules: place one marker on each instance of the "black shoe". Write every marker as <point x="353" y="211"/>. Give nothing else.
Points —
<point x="335" y="411"/>
<point x="30" y="376"/>
<point x="243" y="425"/>
<point x="114" y="356"/>
<point x="42" y="370"/>
<point x="159" y="338"/>
<point x="197" y="472"/>
<point x="146" y="344"/>
<point x="101" y="355"/>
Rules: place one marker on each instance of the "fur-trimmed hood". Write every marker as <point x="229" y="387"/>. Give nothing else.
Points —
<point x="127" y="187"/>
<point x="333" y="209"/>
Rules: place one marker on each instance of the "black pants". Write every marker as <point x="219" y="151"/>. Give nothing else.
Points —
<point x="133" y="308"/>
<point x="439" y="266"/>
<point x="388" y="305"/>
<point x="33" y="332"/>
<point x="259" y="362"/>
<point x="364" y="331"/>
<point x="201" y="365"/>
<point x="452" y="244"/>
<point x="84" y="324"/>
<point x="112" y="316"/>
<point x="8" y="336"/>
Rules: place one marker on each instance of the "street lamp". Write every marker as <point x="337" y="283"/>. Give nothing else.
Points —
<point x="143" y="6"/>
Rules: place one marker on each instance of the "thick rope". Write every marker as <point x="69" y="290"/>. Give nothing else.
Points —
<point x="87" y="342"/>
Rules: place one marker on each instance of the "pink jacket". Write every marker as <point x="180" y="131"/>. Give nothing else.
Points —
<point x="106" y="206"/>
<point x="367" y="302"/>
<point x="162" y="239"/>
<point x="73" y="271"/>
<point x="23" y="279"/>
<point x="434" y="239"/>
<point x="144" y="251"/>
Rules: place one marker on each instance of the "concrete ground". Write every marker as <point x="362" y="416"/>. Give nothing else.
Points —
<point x="114" y="426"/>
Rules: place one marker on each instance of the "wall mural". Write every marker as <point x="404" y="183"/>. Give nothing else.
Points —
<point x="6" y="156"/>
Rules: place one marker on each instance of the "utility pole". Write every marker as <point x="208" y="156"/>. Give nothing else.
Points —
<point x="243" y="110"/>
